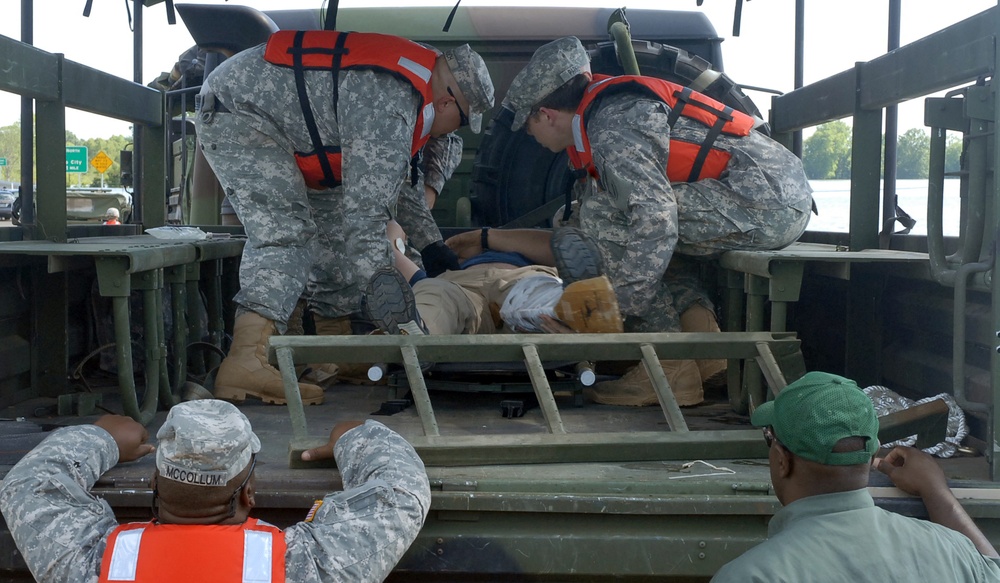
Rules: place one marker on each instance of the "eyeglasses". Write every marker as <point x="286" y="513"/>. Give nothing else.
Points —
<point x="769" y="436"/>
<point x="232" y="500"/>
<point x="463" y="120"/>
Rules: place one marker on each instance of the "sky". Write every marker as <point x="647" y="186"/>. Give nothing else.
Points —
<point x="837" y="35"/>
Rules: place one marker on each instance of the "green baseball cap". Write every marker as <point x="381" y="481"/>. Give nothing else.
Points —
<point x="812" y="414"/>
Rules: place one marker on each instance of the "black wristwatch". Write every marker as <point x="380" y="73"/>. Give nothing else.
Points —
<point x="484" y="238"/>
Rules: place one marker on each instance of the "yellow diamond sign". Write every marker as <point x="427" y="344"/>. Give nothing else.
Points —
<point x="101" y="162"/>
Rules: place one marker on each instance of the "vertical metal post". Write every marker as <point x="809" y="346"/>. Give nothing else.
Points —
<point x="756" y="288"/>
<point x="891" y="138"/>
<point x="51" y="129"/>
<point x="154" y="171"/>
<point x="138" y="137"/>
<point x="216" y="318"/>
<point x="863" y="341"/>
<point x="866" y="150"/>
<point x="27" y="125"/>
<point x="995" y="296"/>
<point x="800" y="44"/>
<point x="195" y="333"/>
<point x="49" y="324"/>
<point x="734" y="282"/>
<point x="178" y="307"/>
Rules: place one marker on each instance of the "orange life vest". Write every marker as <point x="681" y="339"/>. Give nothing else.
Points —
<point x="149" y="552"/>
<point x="333" y="51"/>
<point x="688" y="161"/>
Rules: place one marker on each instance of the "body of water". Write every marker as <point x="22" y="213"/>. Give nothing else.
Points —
<point x="833" y="202"/>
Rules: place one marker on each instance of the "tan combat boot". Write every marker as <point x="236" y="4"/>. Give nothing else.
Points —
<point x="698" y="318"/>
<point x="355" y="373"/>
<point x="635" y="389"/>
<point x="590" y="306"/>
<point x="245" y="371"/>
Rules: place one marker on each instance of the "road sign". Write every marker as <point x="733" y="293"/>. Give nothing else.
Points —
<point x="101" y="162"/>
<point x="3" y="161"/>
<point x="76" y="159"/>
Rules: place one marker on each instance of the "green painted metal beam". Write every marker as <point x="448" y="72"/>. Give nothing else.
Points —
<point x="548" y="448"/>
<point x="509" y="347"/>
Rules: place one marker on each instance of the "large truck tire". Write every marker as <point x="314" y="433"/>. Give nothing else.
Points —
<point x="513" y="175"/>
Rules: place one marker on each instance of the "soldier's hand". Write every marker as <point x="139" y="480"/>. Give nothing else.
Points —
<point x="438" y="258"/>
<point x="129" y="434"/>
<point x="326" y="451"/>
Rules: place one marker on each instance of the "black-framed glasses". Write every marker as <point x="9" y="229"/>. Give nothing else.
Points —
<point x="768" y="436"/>
<point x="463" y="120"/>
<point x="232" y="500"/>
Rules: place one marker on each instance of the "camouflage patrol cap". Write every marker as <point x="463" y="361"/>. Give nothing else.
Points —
<point x="551" y="66"/>
<point x="473" y="80"/>
<point x="205" y="442"/>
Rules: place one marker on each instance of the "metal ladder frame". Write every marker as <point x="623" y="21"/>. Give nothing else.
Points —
<point x="772" y="352"/>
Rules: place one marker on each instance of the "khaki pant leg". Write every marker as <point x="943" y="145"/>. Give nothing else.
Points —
<point x="445" y="307"/>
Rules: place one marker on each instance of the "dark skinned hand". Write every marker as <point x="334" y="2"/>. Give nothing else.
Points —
<point x="129" y="434"/>
<point x="326" y="451"/>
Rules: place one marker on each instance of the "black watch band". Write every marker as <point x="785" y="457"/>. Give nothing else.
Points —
<point x="484" y="238"/>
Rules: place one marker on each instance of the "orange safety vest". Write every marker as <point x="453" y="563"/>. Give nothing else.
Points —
<point x="151" y="552"/>
<point x="112" y="222"/>
<point x="688" y="162"/>
<point x="327" y="50"/>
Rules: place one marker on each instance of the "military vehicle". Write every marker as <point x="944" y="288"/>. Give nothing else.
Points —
<point x="101" y="318"/>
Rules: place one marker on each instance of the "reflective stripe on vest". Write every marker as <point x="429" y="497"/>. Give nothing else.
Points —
<point x="688" y="162"/>
<point x="252" y="552"/>
<point x="333" y="51"/>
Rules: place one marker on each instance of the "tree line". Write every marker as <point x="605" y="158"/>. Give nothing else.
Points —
<point x="10" y="148"/>
<point x="827" y="153"/>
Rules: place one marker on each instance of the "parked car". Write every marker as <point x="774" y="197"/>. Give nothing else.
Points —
<point x="7" y="198"/>
<point x="90" y="205"/>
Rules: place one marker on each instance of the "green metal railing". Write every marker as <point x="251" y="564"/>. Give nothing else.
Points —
<point x="963" y="53"/>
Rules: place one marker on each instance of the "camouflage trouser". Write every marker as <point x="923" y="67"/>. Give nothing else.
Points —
<point x="680" y="289"/>
<point x="467" y="301"/>
<point x="713" y="217"/>
<point x="296" y="236"/>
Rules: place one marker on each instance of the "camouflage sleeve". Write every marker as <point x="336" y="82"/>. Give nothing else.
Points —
<point x="361" y="533"/>
<point x="60" y="528"/>
<point x="441" y="157"/>
<point x="630" y="140"/>
<point x="377" y="116"/>
<point x="415" y="217"/>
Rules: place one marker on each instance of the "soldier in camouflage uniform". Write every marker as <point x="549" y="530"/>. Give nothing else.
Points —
<point x="324" y="239"/>
<point x="635" y="208"/>
<point x="204" y="476"/>
<point x="439" y="160"/>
